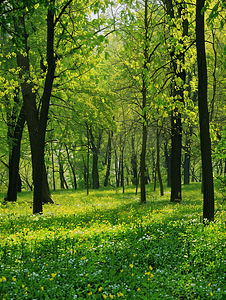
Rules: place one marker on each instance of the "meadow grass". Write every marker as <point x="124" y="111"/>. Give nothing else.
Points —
<point x="109" y="246"/>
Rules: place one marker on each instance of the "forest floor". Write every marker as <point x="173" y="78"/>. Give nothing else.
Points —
<point x="109" y="246"/>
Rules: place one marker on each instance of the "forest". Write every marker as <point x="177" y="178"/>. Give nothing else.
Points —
<point x="104" y="93"/>
<point x="112" y="149"/>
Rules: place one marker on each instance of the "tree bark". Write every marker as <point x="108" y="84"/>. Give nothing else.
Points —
<point x="108" y="159"/>
<point x="208" y="189"/>
<point x="167" y="154"/>
<point x="14" y="159"/>
<point x="117" y="169"/>
<point x="40" y="146"/>
<point x="134" y="161"/>
<point x="29" y="101"/>
<point x="95" y="149"/>
<point x="158" y="164"/>
<point x="144" y="103"/>
<point x="187" y="157"/>
<point x="178" y="93"/>
<point x="53" y="167"/>
<point x="176" y="142"/>
<point x="71" y="166"/>
<point x="122" y="170"/>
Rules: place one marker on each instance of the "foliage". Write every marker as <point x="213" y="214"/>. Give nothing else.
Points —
<point x="108" y="246"/>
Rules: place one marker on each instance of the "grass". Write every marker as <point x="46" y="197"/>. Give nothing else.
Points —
<point x="108" y="246"/>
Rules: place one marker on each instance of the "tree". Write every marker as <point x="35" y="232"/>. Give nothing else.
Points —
<point x="208" y="189"/>
<point x="37" y="125"/>
<point x="14" y="158"/>
<point x="177" y="61"/>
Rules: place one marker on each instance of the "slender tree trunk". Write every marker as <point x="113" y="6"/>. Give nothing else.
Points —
<point x="95" y="150"/>
<point x="168" y="163"/>
<point x="71" y="166"/>
<point x="41" y="192"/>
<point x="53" y="167"/>
<point x="144" y="103"/>
<point x="63" y="183"/>
<point x="158" y="164"/>
<point x="14" y="159"/>
<point x="208" y="189"/>
<point x="176" y="141"/>
<point x="116" y="169"/>
<point x="187" y="156"/>
<point x="142" y="164"/>
<point x="134" y="161"/>
<point x="108" y="159"/>
<point x="87" y="173"/>
<point x="122" y="171"/>
<point x="178" y="93"/>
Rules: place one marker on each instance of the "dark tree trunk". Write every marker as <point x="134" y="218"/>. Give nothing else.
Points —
<point x="122" y="171"/>
<point x="40" y="145"/>
<point x="142" y="163"/>
<point x="158" y="164"/>
<point x="187" y="156"/>
<point x="178" y="93"/>
<point x="14" y="159"/>
<point x="144" y="103"/>
<point x="176" y="142"/>
<point x="61" y="173"/>
<point x="208" y="189"/>
<point x="108" y="159"/>
<point x="95" y="149"/>
<point x="95" y="173"/>
<point x="41" y="187"/>
<point x="53" y="167"/>
<point x="72" y="167"/>
<point x="134" y="162"/>
<point x="117" y="167"/>
<point x="168" y="163"/>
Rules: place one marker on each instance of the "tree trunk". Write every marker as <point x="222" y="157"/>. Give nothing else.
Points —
<point x="41" y="193"/>
<point x="87" y="176"/>
<point x="187" y="156"/>
<point x="208" y="189"/>
<point x="108" y="159"/>
<point x="134" y="162"/>
<point x="40" y="145"/>
<point x="178" y="93"/>
<point x="95" y="173"/>
<point x="144" y="103"/>
<point x="176" y="142"/>
<point x="116" y="169"/>
<point x="53" y="167"/>
<point x="71" y="166"/>
<point x="122" y="171"/>
<point x="168" y="163"/>
<point x="61" y="173"/>
<point x="158" y="164"/>
<point x="14" y="159"/>
<point x="95" y="149"/>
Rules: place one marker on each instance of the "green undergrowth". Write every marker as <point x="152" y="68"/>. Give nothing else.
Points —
<point x="109" y="246"/>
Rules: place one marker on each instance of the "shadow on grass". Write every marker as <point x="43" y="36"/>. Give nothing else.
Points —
<point x="127" y="209"/>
